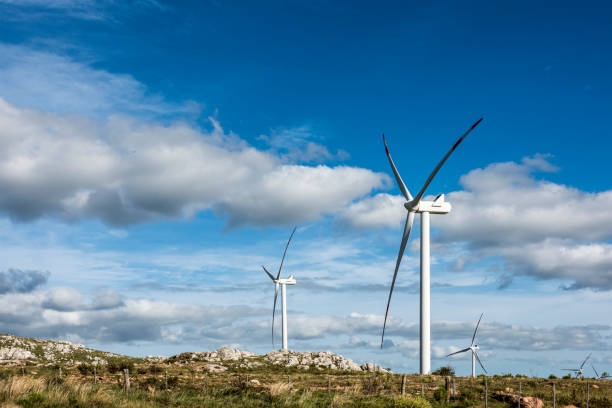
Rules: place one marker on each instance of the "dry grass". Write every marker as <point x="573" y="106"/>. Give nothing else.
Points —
<point x="279" y="388"/>
<point x="16" y="387"/>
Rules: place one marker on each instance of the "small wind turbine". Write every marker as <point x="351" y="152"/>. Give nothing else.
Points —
<point x="473" y="347"/>
<point x="413" y="206"/>
<point x="578" y="371"/>
<point x="603" y="375"/>
<point x="282" y="282"/>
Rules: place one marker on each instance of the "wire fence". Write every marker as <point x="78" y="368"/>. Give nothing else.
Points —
<point x="465" y="391"/>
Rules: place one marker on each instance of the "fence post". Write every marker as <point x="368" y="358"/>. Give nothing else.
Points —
<point x="206" y="382"/>
<point x="520" y="393"/>
<point x="166" y="379"/>
<point x="447" y="385"/>
<point x="587" y="394"/>
<point x="288" y="381"/>
<point x="95" y="376"/>
<point x="486" y="393"/>
<point x="453" y="388"/>
<point x="60" y="372"/>
<point x="247" y="381"/>
<point x="422" y="390"/>
<point x="126" y="379"/>
<point x="554" y="396"/>
<point x="328" y="383"/>
<point x="22" y="370"/>
<point x="404" y="384"/>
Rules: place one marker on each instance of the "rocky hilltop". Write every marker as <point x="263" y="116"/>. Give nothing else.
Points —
<point x="26" y="350"/>
<point x="22" y="350"/>
<point x="228" y="357"/>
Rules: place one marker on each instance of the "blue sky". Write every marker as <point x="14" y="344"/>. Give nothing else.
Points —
<point x="155" y="155"/>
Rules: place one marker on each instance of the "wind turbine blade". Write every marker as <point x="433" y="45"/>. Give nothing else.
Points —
<point x="284" y="253"/>
<point x="480" y="362"/>
<point x="596" y="374"/>
<point x="407" y="228"/>
<point x="435" y="171"/>
<point x="269" y="274"/>
<point x="569" y="369"/>
<point x="273" y="314"/>
<point x="398" y="178"/>
<point x="585" y="360"/>
<point x="458" y="352"/>
<point x="476" y="329"/>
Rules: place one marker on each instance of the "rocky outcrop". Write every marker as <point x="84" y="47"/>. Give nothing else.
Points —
<point x="15" y="349"/>
<point x="373" y="368"/>
<point x="219" y="355"/>
<point x="527" y="402"/>
<point x="306" y="360"/>
<point x="19" y="349"/>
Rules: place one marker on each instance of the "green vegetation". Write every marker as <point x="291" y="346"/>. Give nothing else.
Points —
<point x="188" y="384"/>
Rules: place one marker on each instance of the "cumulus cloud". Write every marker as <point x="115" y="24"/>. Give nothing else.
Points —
<point x="539" y="228"/>
<point x="126" y="172"/>
<point x="20" y="281"/>
<point x="64" y="313"/>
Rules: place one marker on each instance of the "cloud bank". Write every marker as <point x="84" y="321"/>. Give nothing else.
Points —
<point x="539" y="228"/>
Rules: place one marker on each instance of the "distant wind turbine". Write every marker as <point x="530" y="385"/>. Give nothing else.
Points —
<point x="603" y="375"/>
<point x="473" y="347"/>
<point x="282" y="282"/>
<point x="578" y="371"/>
<point x="413" y="206"/>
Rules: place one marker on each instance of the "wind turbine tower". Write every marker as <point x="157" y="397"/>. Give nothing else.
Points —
<point x="425" y="208"/>
<point x="282" y="282"/>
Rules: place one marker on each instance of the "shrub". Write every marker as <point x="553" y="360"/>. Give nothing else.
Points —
<point x="552" y="377"/>
<point x="445" y="371"/>
<point x="411" y="402"/>
<point x="85" y="369"/>
<point x="440" y="394"/>
<point x="119" y="364"/>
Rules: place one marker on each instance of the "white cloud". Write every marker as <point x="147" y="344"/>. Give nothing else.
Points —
<point x="540" y="228"/>
<point x="55" y="83"/>
<point x="297" y="145"/>
<point x="125" y="172"/>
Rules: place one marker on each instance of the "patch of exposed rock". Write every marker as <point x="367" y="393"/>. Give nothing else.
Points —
<point x="527" y="402"/>
<point x="155" y="359"/>
<point x="373" y="368"/>
<point x="222" y="354"/>
<point x="19" y="349"/>
<point x="305" y="360"/>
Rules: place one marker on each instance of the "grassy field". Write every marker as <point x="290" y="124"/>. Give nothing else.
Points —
<point x="188" y="385"/>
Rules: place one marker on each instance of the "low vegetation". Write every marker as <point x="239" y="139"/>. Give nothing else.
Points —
<point x="48" y="374"/>
<point x="190" y="385"/>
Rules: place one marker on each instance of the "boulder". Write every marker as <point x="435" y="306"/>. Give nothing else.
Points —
<point x="371" y="367"/>
<point x="527" y="402"/>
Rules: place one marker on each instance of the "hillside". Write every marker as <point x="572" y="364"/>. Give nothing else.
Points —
<point x="15" y="349"/>
<point x="52" y="374"/>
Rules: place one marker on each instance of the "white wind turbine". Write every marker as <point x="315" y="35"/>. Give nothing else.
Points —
<point x="603" y="375"/>
<point x="413" y="206"/>
<point x="578" y="371"/>
<point x="283" y="283"/>
<point x="473" y="347"/>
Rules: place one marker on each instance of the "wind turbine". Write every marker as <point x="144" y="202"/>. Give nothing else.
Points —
<point x="578" y="371"/>
<point x="473" y="347"/>
<point x="283" y="283"/>
<point x="413" y="206"/>
<point x="603" y="375"/>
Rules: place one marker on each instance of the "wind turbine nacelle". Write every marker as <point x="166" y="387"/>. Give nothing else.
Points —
<point x="437" y="206"/>
<point x="287" y="281"/>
